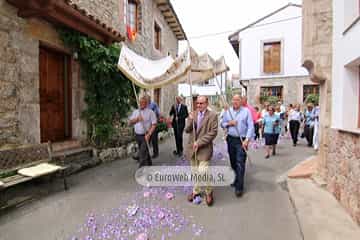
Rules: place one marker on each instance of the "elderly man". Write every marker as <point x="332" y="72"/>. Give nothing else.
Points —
<point x="144" y="121"/>
<point x="238" y="120"/>
<point x="202" y="128"/>
<point x="179" y="112"/>
<point x="155" y="136"/>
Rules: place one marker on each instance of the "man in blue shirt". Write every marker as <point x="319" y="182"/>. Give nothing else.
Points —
<point x="154" y="137"/>
<point x="240" y="129"/>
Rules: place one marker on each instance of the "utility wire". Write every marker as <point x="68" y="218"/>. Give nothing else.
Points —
<point x="231" y="31"/>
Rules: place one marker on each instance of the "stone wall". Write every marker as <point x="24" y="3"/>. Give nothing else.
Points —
<point x="144" y="42"/>
<point x="19" y="72"/>
<point x="292" y="88"/>
<point x="108" y="11"/>
<point x="19" y="78"/>
<point x="343" y="170"/>
<point x="317" y="48"/>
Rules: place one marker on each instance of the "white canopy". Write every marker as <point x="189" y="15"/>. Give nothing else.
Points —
<point x="149" y="74"/>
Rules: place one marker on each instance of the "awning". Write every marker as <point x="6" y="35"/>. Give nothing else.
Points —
<point x="150" y="74"/>
<point x="66" y="13"/>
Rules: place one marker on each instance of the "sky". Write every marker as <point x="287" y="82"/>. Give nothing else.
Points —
<point x="203" y="19"/>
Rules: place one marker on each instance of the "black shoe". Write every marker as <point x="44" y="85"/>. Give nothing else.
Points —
<point x="175" y="153"/>
<point x="267" y="156"/>
<point x="239" y="193"/>
<point x="154" y="155"/>
<point x="136" y="158"/>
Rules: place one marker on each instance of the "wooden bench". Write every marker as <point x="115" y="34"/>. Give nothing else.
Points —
<point x="15" y="161"/>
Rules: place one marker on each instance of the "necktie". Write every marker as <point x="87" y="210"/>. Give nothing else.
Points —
<point x="199" y="120"/>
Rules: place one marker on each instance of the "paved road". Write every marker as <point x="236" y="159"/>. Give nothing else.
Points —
<point x="264" y="212"/>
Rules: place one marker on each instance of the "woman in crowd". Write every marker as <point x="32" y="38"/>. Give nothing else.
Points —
<point x="271" y="123"/>
<point x="295" y="118"/>
<point x="257" y="123"/>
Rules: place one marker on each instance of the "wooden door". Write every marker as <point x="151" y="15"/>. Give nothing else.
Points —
<point x="52" y="95"/>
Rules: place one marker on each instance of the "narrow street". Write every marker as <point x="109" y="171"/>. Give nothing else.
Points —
<point x="99" y="194"/>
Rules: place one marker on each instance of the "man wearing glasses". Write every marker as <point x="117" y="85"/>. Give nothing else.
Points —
<point x="202" y="127"/>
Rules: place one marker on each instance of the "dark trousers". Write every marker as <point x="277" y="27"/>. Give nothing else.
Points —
<point x="178" y="133"/>
<point x="309" y="134"/>
<point x="155" y="142"/>
<point x="294" y="130"/>
<point x="237" y="160"/>
<point x="144" y="155"/>
<point x="257" y="130"/>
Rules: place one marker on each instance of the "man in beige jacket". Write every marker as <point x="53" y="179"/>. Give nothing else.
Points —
<point x="202" y="127"/>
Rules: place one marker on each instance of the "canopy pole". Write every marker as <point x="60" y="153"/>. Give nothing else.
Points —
<point x="231" y="116"/>
<point x="192" y="111"/>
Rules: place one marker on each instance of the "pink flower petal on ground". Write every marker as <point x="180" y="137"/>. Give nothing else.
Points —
<point x="142" y="236"/>
<point x="146" y="194"/>
<point x="169" y="196"/>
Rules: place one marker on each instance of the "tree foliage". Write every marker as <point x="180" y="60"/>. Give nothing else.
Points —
<point x="109" y="94"/>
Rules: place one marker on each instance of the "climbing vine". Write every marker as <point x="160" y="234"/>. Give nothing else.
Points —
<point x="109" y="94"/>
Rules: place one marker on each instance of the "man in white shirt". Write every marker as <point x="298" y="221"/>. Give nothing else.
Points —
<point x="144" y="121"/>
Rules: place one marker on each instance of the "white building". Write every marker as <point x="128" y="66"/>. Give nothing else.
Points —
<point x="346" y="65"/>
<point x="212" y="88"/>
<point x="269" y="52"/>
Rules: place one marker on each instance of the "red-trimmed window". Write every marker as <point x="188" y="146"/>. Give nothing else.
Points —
<point x="132" y="14"/>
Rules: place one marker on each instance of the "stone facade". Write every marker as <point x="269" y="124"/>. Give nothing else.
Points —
<point x="343" y="170"/>
<point x="20" y="41"/>
<point x="339" y="152"/>
<point x="292" y="88"/>
<point x="144" y="42"/>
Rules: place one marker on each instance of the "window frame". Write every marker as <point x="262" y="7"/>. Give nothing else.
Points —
<point x="157" y="38"/>
<point x="310" y="85"/>
<point x="270" y="88"/>
<point x="157" y="96"/>
<point x="262" y="56"/>
<point x="136" y="3"/>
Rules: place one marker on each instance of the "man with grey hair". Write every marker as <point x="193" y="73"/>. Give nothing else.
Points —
<point x="240" y="128"/>
<point x="202" y="127"/>
<point x="144" y="121"/>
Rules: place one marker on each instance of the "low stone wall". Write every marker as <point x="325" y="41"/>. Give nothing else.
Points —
<point x="111" y="154"/>
<point x="342" y="170"/>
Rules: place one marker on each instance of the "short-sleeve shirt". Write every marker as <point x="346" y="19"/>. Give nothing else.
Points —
<point x="149" y="119"/>
<point x="269" y="124"/>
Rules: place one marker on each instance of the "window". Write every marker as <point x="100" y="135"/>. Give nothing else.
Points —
<point x="272" y="57"/>
<point x="132" y="11"/>
<point x="310" y="89"/>
<point x="157" y="96"/>
<point x="266" y="92"/>
<point x="157" y="37"/>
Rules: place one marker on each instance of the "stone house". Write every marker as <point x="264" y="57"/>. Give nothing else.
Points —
<point x="331" y="36"/>
<point x="269" y="52"/>
<point x="41" y="91"/>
